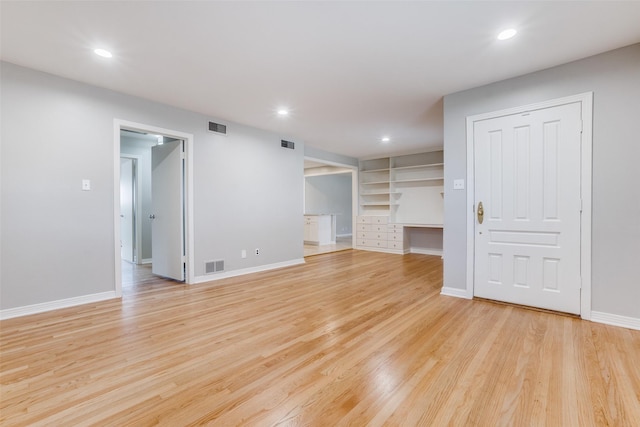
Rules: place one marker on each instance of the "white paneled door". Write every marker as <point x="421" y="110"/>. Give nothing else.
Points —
<point x="527" y="169"/>
<point x="167" y="227"/>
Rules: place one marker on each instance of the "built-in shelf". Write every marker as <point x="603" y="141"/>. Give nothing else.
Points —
<point x="406" y="188"/>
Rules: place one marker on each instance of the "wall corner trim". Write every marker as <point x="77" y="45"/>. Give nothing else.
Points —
<point x="455" y="292"/>
<point x="243" y="271"/>
<point x="55" y="305"/>
<point x="615" y="320"/>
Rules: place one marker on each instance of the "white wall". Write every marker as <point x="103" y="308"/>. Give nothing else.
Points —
<point x="331" y="194"/>
<point x="58" y="242"/>
<point x="614" y="78"/>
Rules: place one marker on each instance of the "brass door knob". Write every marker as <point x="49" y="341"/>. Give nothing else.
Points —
<point x="480" y="213"/>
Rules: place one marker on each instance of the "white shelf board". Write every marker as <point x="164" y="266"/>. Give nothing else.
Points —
<point x="429" y="165"/>
<point x="376" y="204"/>
<point x="418" y="180"/>
<point x="375" y="170"/>
<point x="375" y="182"/>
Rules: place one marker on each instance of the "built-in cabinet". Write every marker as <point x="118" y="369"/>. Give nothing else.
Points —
<point x="320" y="229"/>
<point x="399" y="196"/>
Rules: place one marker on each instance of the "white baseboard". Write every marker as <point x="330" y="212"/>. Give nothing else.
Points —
<point x="384" y="250"/>
<point x="615" y="320"/>
<point x="146" y="261"/>
<point x="425" y="251"/>
<point x="55" y="305"/>
<point x="344" y="235"/>
<point x="243" y="271"/>
<point x="454" y="292"/>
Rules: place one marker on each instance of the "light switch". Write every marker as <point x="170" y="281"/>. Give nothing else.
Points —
<point x="458" y="184"/>
<point x="86" y="185"/>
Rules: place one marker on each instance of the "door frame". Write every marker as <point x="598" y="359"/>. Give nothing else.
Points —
<point x="354" y="190"/>
<point x="119" y="125"/>
<point x="586" y="100"/>
<point x="138" y="206"/>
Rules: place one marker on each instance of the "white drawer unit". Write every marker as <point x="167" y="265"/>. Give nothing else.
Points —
<point x="376" y="233"/>
<point x="372" y="232"/>
<point x="396" y="237"/>
<point x="383" y="220"/>
<point x="375" y="220"/>
<point x="372" y="235"/>
<point x="363" y="227"/>
<point x="372" y="243"/>
<point x="396" y="245"/>
<point x="363" y="220"/>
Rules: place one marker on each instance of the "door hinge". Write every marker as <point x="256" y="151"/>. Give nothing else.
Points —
<point x="581" y="204"/>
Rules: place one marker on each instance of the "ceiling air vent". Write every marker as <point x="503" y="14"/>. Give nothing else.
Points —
<point x="287" y="144"/>
<point x="218" y="128"/>
<point x="213" y="266"/>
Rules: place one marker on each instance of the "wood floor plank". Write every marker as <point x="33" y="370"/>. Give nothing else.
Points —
<point x="351" y="338"/>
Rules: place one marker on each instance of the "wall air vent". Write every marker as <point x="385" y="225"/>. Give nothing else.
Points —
<point x="287" y="144"/>
<point x="213" y="266"/>
<point x="218" y="128"/>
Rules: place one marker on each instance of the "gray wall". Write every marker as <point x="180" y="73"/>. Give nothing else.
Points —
<point x="57" y="241"/>
<point x="330" y="194"/>
<point x="614" y="78"/>
<point x="141" y="147"/>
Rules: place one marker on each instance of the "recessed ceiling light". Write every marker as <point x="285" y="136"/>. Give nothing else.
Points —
<point x="507" y="34"/>
<point x="283" y="112"/>
<point x="385" y="139"/>
<point x="103" y="52"/>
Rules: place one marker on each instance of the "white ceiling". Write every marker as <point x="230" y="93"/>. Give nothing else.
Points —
<point x="351" y="72"/>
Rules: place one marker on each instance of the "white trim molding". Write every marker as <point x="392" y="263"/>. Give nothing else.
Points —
<point x="615" y="320"/>
<point x="586" y="100"/>
<point x="56" y="305"/>
<point x="454" y="292"/>
<point x="425" y="251"/>
<point x="243" y="271"/>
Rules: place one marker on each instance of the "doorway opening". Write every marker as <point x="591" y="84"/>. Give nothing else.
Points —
<point x="153" y="203"/>
<point x="330" y="192"/>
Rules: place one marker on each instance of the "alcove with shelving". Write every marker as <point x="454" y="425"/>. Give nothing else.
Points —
<point x="406" y="193"/>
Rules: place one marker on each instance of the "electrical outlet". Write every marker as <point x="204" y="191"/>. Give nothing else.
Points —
<point x="243" y="254"/>
<point x="257" y="251"/>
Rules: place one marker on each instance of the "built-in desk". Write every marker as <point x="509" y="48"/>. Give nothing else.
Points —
<point x="319" y="229"/>
<point x="376" y="233"/>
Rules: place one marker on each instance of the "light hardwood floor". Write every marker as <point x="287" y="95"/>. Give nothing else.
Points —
<point x="350" y="338"/>
<point x="341" y="244"/>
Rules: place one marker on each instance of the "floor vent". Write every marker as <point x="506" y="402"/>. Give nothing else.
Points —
<point x="287" y="144"/>
<point x="218" y="128"/>
<point x="213" y="266"/>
